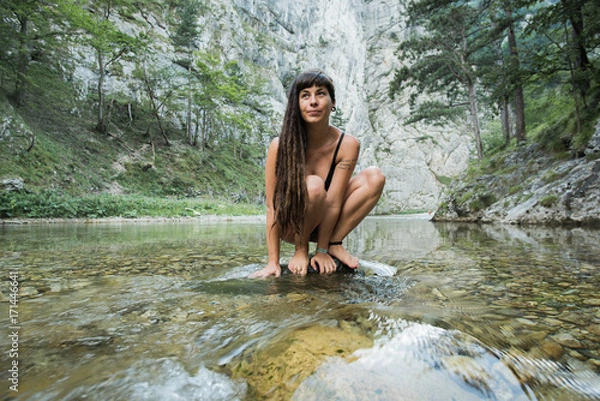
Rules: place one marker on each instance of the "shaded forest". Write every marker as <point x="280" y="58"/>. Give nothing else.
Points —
<point x="530" y="65"/>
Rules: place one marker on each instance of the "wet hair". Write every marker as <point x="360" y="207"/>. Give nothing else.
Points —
<point x="289" y="198"/>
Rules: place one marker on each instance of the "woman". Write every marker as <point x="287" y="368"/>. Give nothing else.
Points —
<point x="310" y="192"/>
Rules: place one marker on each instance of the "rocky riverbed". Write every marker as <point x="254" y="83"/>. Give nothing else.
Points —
<point x="473" y="311"/>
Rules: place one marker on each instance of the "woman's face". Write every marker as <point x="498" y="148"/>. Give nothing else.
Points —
<point x="315" y="104"/>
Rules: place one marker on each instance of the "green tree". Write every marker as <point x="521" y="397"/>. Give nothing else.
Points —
<point x="221" y="92"/>
<point x="110" y="44"/>
<point x="440" y="61"/>
<point x="565" y="33"/>
<point x="29" y="30"/>
<point x="157" y="84"/>
<point x="186" y="33"/>
<point x="514" y="65"/>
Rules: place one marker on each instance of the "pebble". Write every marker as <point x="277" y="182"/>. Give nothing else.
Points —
<point x="552" y="349"/>
<point x="567" y="340"/>
<point x="28" y="291"/>
<point x="294" y="296"/>
<point x="594" y="329"/>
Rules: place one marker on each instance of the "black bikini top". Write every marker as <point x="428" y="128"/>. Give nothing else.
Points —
<point x="332" y="168"/>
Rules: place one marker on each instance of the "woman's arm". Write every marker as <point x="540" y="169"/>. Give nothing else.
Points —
<point x="273" y="230"/>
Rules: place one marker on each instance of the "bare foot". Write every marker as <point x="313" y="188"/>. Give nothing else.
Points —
<point x="342" y="254"/>
<point x="299" y="263"/>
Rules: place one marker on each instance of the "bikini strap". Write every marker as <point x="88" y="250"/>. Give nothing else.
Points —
<point x="332" y="168"/>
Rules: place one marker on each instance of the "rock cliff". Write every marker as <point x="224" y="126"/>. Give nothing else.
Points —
<point x="354" y="42"/>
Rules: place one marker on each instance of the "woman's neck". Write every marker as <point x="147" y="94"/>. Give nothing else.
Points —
<point x="318" y="134"/>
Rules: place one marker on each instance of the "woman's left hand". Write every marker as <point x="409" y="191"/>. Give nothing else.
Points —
<point x="323" y="263"/>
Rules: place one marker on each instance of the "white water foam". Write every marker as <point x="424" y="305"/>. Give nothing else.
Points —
<point x="378" y="268"/>
<point x="163" y="380"/>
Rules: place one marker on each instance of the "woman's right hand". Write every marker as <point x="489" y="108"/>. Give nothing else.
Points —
<point x="271" y="269"/>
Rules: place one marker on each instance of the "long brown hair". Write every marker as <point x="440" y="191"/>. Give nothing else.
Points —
<point x="289" y="198"/>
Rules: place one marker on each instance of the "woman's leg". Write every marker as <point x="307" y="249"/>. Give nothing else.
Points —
<point x="315" y="210"/>
<point x="364" y="190"/>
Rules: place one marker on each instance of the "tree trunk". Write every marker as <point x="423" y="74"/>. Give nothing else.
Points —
<point x="475" y="120"/>
<point x="204" y="129"/>
<point x="191" y="137"/>
<point x="101" y="125"/>
<point x="576" y="90"/>
<point x="23" y="63"/>
<point x="155" y="110"/>
<point x="582" y="64"/>
<point x="517" y="85"/>
<point x="505" y="116"/>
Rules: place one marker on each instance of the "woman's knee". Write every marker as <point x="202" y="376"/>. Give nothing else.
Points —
<point x="315" y="188"/>
<point x="375" y="178"/>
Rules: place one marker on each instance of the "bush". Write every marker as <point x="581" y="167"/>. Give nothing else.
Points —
<point x="549" y="201"/>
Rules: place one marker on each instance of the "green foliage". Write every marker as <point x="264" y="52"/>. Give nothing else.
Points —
<point x="444" y="180"/>
<point x="558" y="125"/>
<point x="482" y="201"/>
<point x="55" y="204"/>
<point x="183" y="171"/>
<point x="493" y="140"/>
<point x="186" y="28"/>
<point x="452" y="45"/>
<point x="478" y="198"/>
<point x="549" y="200"/>
<point x="515" y="189"/>
<point x="68" y="160"/>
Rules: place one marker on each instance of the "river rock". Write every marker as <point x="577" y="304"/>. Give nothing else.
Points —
<point x="594" y="329"/>
<point x="567" y="340"/>
<point x="552" y="349"/>
<point x="28" y="291"/>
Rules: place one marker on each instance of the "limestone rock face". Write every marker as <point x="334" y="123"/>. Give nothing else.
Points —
<point x="354" y="42"/>
<point x="593" y="147"/>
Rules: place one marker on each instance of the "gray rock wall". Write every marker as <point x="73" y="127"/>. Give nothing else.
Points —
<point x="354" y="42"/>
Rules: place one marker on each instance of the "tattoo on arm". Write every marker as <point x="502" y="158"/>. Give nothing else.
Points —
<point x="347" y="164"/>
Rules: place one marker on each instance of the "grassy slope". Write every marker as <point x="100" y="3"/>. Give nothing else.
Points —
<point x="70" y="164"/>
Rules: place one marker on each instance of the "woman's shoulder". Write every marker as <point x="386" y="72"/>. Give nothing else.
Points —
<point x="350" y="140"/>
<point x="274" y="143"/>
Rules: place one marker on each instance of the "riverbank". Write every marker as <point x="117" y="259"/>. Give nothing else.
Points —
<point x="112" y="220"/>
<point x="530" y="186"/>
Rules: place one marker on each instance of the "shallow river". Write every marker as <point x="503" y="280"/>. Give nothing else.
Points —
<point x="166" y="311"/>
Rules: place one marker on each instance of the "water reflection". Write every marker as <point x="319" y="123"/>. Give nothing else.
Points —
<point x="165" y="311"/>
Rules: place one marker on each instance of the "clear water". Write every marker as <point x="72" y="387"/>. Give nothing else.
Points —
<point x="165" y="311"/>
